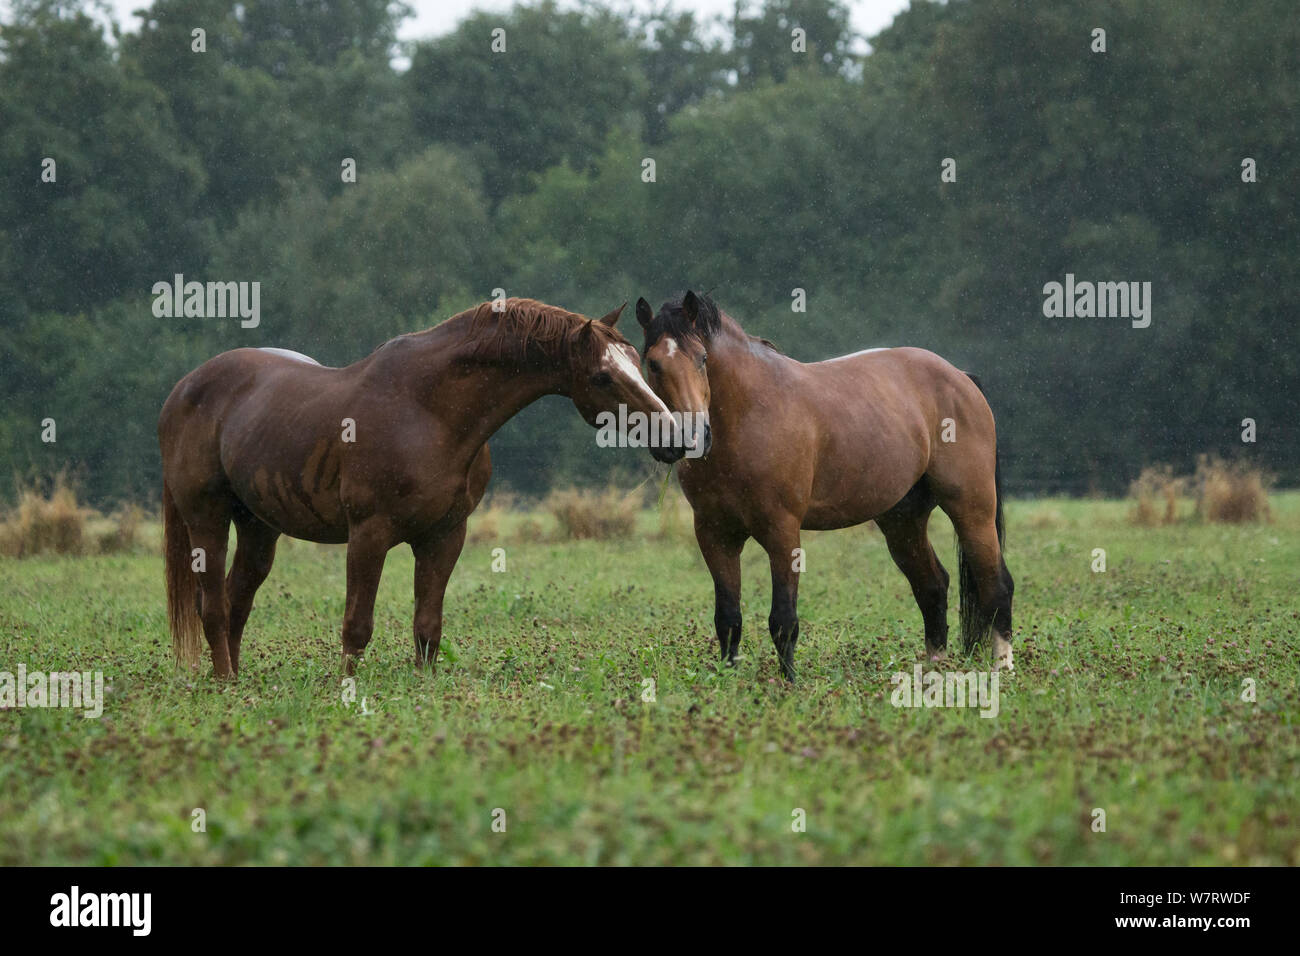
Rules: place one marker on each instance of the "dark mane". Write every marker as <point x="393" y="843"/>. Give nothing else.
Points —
<point x="672" y="321"/>
<point x="527" y="328"/>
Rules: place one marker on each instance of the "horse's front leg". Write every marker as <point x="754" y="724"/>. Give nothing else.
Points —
<point x="434" y="560"/>
<point x="786" y="560"/>
<point x="721" y="550"/>
<point x="368" y="544"/>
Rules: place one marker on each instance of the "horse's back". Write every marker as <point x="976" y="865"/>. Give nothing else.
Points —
<point x="290" y="354"/>
<point x="883" y="420"/>
<point x="901" y="378"/>
<point x="867" y="360"/>
<point x="224" y="380"/>
<point x="960" y="432"/>
<point x="235" y="367"/>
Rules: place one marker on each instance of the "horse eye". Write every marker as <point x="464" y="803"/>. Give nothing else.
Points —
<point x="654" y="367"/>
<point x="704" y="357"/>
<point x="602" y="380"/>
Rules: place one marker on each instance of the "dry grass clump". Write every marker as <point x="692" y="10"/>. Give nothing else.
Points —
<point x="528" y="530"/>
<point x="1156" y="492"/>
<point x="119" y="532"/>
<point x="56" y="523"/>
<point x="676" y="521"/>
<point x="583" y="515"/>
<point x="1047" y="519"/>
<point x="1230" y="492"/>
<point x="504" y="518"/>
<point x="489" y="519"/>
<point x="1223" y="492"/>
<point x="41" y="524"/>
<point x="483" y="526"/>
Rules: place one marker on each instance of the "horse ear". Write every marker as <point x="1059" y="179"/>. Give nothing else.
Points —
<point x="644" y="314"/>
<point x="612" y="317"/>
<point x="691" y="307"/>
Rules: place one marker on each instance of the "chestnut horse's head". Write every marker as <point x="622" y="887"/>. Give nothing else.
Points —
<point x="676" y="357"/>
<point x="607" y="374"/>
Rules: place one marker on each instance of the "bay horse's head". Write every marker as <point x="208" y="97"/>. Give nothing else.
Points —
<point x="606" y="373"/>
<point x="676" y="357"/>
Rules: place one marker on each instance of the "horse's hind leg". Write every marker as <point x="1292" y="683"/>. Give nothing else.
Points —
<point x="986" y="584"/>
<point x="209" y="532"/>
<point x="905" y="528"/>
<point x="254" y="554"/>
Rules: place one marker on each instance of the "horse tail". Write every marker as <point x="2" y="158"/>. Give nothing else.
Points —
<point x="182" y="594"/>
<point x="972" y="622"/>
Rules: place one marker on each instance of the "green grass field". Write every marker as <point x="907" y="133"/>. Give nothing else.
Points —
<point x="1127" y="697"/>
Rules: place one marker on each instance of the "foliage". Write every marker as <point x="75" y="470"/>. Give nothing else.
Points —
<point x="523" y="171"/>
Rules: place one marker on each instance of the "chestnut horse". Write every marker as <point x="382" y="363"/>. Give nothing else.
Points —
<point x="884" y="435"/>
<point x="389" y="450"/>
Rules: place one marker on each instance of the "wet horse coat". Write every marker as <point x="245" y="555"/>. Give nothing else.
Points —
<point x="793" y="446"/>
<point x="389" y="450"/>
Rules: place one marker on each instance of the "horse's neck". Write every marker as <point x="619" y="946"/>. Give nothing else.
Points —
<point x="736" y="369"/>
<point x="475" y="396"/>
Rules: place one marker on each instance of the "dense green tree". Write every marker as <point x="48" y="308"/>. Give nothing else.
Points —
<point x="562" y="82"/>
<point x="774" y="170"/>
<point x="117" y="204"/>
<point x="341" y="276"/>
<point x="763" y="45"/>
<point x="276" y="35"/>
<point x="284" y="91"/>
<point x="682" y="67"/>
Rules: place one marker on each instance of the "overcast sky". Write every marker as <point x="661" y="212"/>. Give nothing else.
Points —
<point x="433" y="17"/>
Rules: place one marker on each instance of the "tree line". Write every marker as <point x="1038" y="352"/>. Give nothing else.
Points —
<point x="833" y="195"/>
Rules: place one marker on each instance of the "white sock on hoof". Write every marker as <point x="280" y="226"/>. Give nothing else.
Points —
<point x="1002" y="657"/>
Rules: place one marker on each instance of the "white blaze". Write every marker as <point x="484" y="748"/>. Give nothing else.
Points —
<point x="617" y="362"/>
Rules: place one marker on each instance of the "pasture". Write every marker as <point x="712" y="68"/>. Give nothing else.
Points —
<point x="1127" y="697"/>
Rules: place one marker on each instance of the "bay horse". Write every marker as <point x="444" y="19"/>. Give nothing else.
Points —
<point x="884" y="435"/>
<point x="389" y="450"/>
